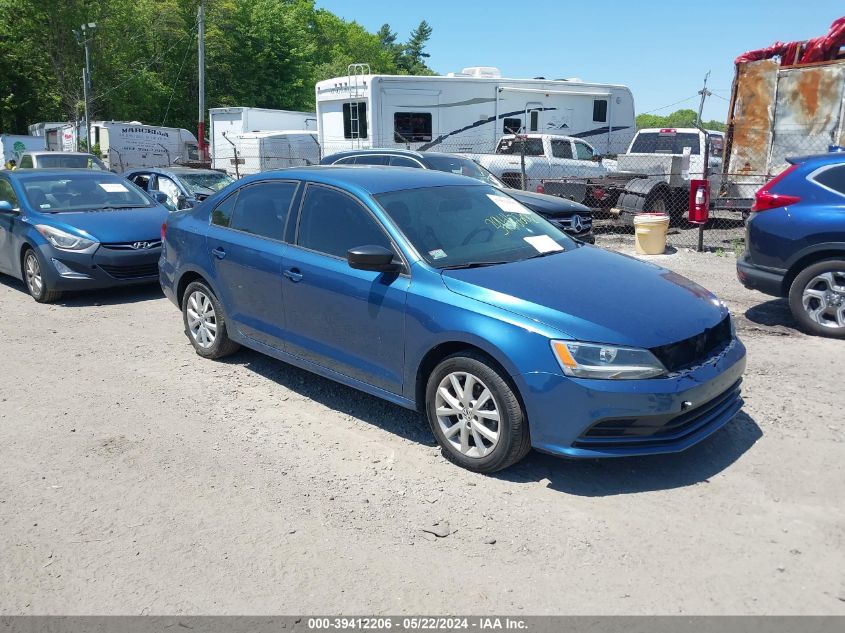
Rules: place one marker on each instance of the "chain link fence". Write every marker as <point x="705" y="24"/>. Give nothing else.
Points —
<point x="657" y="176"/>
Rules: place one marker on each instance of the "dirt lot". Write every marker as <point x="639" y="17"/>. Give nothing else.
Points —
<point x="136" y="477"/>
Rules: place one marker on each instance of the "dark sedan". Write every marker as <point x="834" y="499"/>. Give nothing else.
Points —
<point x="574" y="218"/>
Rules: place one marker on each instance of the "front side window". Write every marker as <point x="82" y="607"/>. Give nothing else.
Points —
<point x="7" y="194"/>
<point x="371" y="159"/>
<point x="583" y="151"/>
<point x="461" y="225"/>
<point x="332" y="222"/>
<point x="142" y="180"/>
<point x="600" y="110"/>
<point x="355" y="119"/>
<point x="411" y="127"/>
<point x="463" y="167"/>
<point x="262" y="209"/>
<point x="561" y="149"/>
<point x="171" y="190"/>
<point x="401" y="161"/>
<point x="222" y="214"/>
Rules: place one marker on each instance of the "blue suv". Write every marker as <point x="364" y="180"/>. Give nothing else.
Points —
<point x="442" y="293"/>
<point x="795" y="242"/>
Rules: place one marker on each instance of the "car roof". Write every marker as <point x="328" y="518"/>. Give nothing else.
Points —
<point x="175" y="170"/>
<point x="47" y="152"/>
<point x="828" y="158"/>
<point x="23" y="173"/>
<point x="371" y="179"/>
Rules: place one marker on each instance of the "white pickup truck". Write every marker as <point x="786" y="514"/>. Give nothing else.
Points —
<point x="546" y="156"/>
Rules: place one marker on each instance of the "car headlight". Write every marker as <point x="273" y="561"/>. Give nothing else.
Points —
<point x="608" y="362"/>
<point x="64" y="240"/>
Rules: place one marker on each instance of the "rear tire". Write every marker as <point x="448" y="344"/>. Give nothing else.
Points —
<point x="475" y="414"/>
<point x="33" y="277"/>
<point x="817" y="298"/>
<point x="205" y="323"/>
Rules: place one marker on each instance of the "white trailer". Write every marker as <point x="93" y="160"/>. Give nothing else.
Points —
<point x="254" y="152"/>
<point x="14" y="145"/>
<point x="51" y="130"/>
<point x="467" y="111"/>
<point x="235" y="121"/>
<point x="128" y="145"/>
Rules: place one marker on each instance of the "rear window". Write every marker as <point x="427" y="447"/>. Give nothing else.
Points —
<point x="74" y="161"/>
<point x="665" y="143"/>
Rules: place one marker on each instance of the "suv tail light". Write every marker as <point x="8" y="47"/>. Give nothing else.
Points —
<point x="766" y="200"/>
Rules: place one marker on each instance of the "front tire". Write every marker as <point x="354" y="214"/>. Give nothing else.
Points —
<point x="35" y="281"/>
<point x="817" y="298"/>
<point x="475" y="414"/>
<point x="205" y="324"/>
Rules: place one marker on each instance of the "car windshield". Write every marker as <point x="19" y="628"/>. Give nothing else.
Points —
<point x="514" y="145"/>
<point x="464" y="167"/>
<point x="466" y="225"/>
<point x="88" y="191"/>
<point x="215" y="181"/>
<point x="72" y="161"/>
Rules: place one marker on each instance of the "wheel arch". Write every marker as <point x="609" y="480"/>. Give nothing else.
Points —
<point x="189" y="276"/>
<point x="813" y="255"/>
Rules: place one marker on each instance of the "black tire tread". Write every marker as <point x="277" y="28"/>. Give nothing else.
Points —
<point x="223" y="345"/>
<point x="47" y="295"/>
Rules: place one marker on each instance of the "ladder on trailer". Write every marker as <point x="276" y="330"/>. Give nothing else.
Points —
<point x="355" y="81"/>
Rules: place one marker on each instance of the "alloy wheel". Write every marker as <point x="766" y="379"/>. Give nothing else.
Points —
<point x="202" y="319"/>
<point x="468" y="414"/>
<point x="824" y="299"/>
<point x="32" y="271"/>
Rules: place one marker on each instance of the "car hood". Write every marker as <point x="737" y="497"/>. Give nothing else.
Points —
<point x="120" y="225"/>
<point x="595" y="295"/>
<point x="549" y="205"/>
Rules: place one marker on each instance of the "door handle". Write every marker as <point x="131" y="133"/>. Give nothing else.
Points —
<point x="293" y="274"/>
<point x="219" y="253"/>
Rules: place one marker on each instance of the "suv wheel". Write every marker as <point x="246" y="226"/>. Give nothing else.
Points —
<point x="475" y="414"/>
<point x="817" y="298"/>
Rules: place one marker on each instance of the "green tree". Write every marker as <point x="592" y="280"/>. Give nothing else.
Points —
<point x="413" y="57"/>
<point x="679" y="118"/>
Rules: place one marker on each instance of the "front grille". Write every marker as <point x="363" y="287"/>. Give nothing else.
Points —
<point x="566" y="224"/>
<point x="695" y="349"/>
<point x="661" y="429"/>
<point x="140" y="245"/>
<point x="137" y="271"/>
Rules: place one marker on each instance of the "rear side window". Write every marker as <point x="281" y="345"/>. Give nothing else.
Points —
<point x="332" y="222"/>
<point x="222" y="214"/>
<point x="355" y="119"/>
<point x="368" y="159"/>
<point x="600" y="110"/>
<point x="262" y="209"/>
<point x="561" y="149"/>
<point x="832" y="178"/>
<point x="411" y="127"/>
<point x="401" y="161"/>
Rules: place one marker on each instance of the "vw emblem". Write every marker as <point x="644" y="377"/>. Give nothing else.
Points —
<point x="576" y="223"/>
<point x="138" y="246"/>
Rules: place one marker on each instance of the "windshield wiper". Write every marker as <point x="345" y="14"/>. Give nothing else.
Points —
<point x="473" y="265"/>
<point x="546" y="254"/>
<point x="115" y="207"/>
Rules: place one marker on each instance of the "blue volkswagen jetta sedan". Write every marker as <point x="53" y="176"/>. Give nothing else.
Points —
<point x="74" y="229"/>
<point x="444" y="294"/>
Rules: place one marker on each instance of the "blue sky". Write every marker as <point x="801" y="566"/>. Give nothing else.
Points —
<point x="660" y="49"/>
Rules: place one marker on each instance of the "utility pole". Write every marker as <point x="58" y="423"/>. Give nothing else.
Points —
<point x="84" y="37"/>
<point x="201" y="80"/>
<point x="704" y="92"/>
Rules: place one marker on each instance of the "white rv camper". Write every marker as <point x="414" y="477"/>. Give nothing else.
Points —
<point x="235" y="121"/>
<point x="260" y="151"/>
<point x="467" y="111"/>
<point x="129" y="145"/>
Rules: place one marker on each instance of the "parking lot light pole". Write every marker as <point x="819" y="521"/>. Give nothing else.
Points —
<point x="84" y="37"/>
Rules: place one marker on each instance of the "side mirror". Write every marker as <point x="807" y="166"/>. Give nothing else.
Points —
<point x="6" y="207"/>
<point x="375" y="258"/>
<point x="159" y="196"/>
<point x="184" y="202"/>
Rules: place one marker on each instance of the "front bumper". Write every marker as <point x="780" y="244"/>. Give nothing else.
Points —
<point x="581" y="418"/>
<point x="105" y="268"/>
<point x="754" y="277"/>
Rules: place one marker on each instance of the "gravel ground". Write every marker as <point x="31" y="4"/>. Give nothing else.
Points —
<point x="137" y="477"/>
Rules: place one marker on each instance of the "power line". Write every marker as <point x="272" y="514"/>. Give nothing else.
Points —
<point x="671" y="104"/>
<point x="176" y="81"/>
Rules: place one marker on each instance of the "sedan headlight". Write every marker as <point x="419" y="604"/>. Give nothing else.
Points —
<point x="608" y="362"/>
<point x="64" y="240"/>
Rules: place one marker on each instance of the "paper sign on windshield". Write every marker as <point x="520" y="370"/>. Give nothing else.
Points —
<point x="543" y="243"/>
<point x="113" y="187"/>
<point x="507" y="204"/>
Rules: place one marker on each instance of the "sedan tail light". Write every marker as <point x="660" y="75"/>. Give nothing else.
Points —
<point x="766" y="200"/>
<point x="163" y="230"/>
